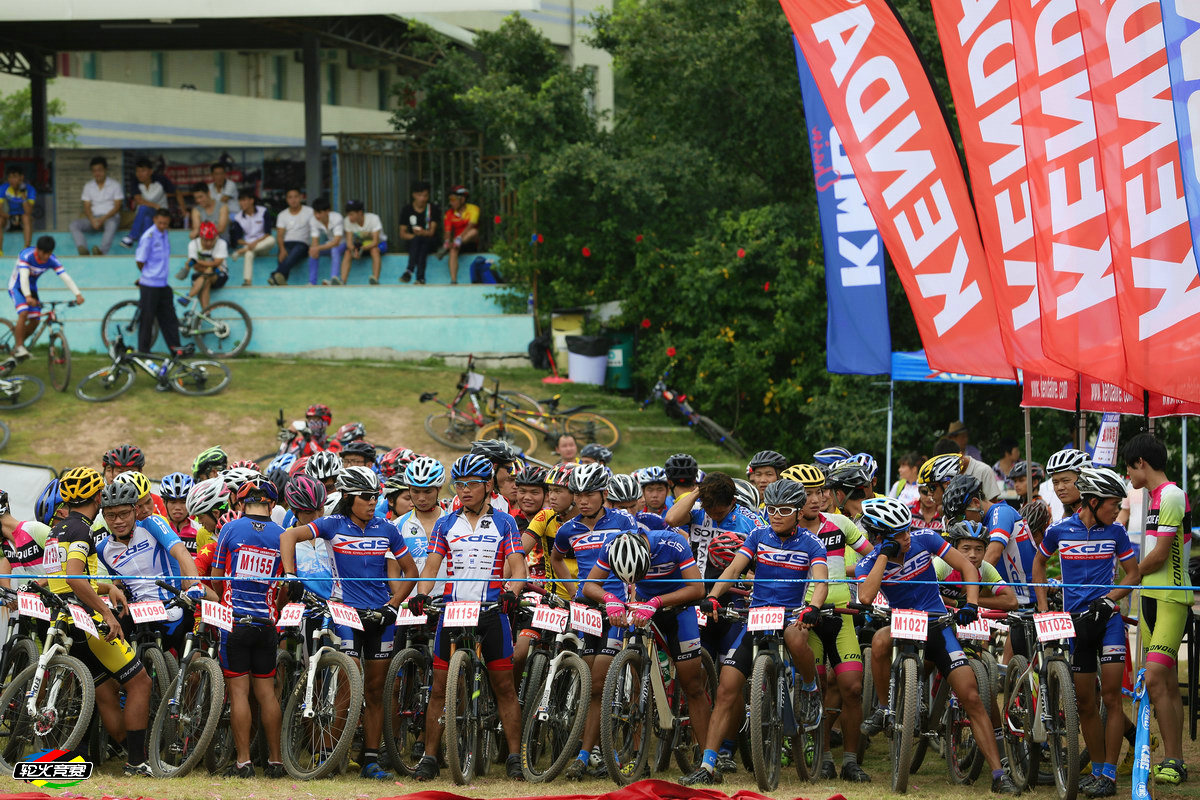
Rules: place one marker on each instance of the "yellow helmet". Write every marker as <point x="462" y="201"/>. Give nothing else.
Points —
<point x="807" y="475"/>
<point x="80" y="484"/>
<point x="941" y="469"/>
<point x="139" y="481"/>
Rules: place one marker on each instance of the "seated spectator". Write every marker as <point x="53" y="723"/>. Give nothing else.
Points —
<point x="101" y="203"/>
<point x="460" y="227"/>
<point x="418" y="226"/>
<point x="364" y="237"/>
<point x="253" y="230"/>
<point x="207" y="254"/>
<point x="207" y="209"/>
<point x="16" y="205"/>
<point x="151" y="196"/>
<point x="223" y="190"/>
<point x="328" y="236"/>
<point x="958" y="433"/>
<point x="293" y="232"/>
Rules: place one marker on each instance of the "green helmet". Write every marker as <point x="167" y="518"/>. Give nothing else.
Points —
<point x="212" y="458"/>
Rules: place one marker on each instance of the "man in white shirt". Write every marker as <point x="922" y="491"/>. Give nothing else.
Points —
<point x="293" y="232"/>
<point x="257" y="231"/>
<point x="150" y="197"/>
<point x="223" y="189"/>
<point x="364" y="236"/>
<point x="328" y="236"/>
<point x="101" y="206"/>
<point x="206" y="255"/>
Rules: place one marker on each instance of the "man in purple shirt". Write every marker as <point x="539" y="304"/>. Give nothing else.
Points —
<point x="156" y="299"/>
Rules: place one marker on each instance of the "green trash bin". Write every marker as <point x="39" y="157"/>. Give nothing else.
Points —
<point x="620" y="362"/>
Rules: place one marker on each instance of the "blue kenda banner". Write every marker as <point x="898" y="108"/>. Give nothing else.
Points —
<point x="1181" y="25"/>
<point x="858" y="339"/>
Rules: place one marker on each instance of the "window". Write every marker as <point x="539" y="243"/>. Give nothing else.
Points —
<point x="385" y="89"/>
<point x="220" y="72"/>
<point x="279" y="71"/>
<point x="333" y="88"/>
<point x="89" y="66"/>
<point x="157" y="69"/>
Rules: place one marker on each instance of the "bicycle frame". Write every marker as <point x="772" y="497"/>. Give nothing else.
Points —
<point x="1041" y="656"/>
<point x="563" y="643"/>
<point x="58" y="640"/>
<point x="48" y="320"/>
<point x="323" y="639"/>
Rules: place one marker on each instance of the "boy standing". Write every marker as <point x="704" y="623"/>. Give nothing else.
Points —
<point x="16" y="203"/>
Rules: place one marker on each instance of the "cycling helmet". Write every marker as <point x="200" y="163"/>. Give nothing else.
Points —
<point x="500" y="453"/>
<point x="766" y="458"/>
<point x="4" y="509"/>
<point x="206" y="496"/>
<point x="941" y="469"/>
<point x="623" y="489"/>
<point x="226" y="518"/>
<point x="785" y="492"/>
<point x="1100" y="482"/>
<point x="532" y="475"/>
<point x="257" y="488"/>
<point x="305" y="493"/>
<point x="359" y="448"/>
<point x="681" y="468"/>
<point x="323" y="464"/>
<point x="279" y="477"/>
<point x="212" y="458"/>
<point x="629" y="556"/>
<point x="1068" y="460"/>
<point x="80" y="484"/>
<point x="560" y="475"/>
<point x="746" y="493"/>
<point x="957" y="497"/>
<point x="596" y="451"/>
<point x="282" y="461"/>
<point x="207" y="230"/>
<point x="424" y="472"/>
<point x="351" y="432"/>
<point x="1036" y="516"/>
<point x="48" y="502"/>
<point x="885" y="516"/>
<point x="357" y="480"/>
<point x="119" y="493"/>
<point x="394" y="461"/>
<point x="298" y="467"/>
<point x="332" y="501"/>
<point x="829" y="455"/>
<point x="137" y="479"/>
<point x="234" y="477"/>
<point x="394" y="485"/>
<point x="124" y="456"/>
<point x="589" y="478"/>
<point x="809" y="476"/>
<point x="175" y="486"/>
<point x="966" y="530"/>
<point x="471" y="466"/>
<point x="1022" y="468"/>
<point x="246" y="463"/>
<point x="868" y="461"/>
<point x="649" y="475"/>
<point x="847" y="475"/>
<point x="320" y="411"/>
<point x="723" y="548"/>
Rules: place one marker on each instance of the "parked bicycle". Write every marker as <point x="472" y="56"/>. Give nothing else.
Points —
<point x="221" y="330"/>
<point x="520" y="427"/>
<point x="18" y="391"/>
<point x="195" y="377"/>
<point x="468" y="412"/>
<point x="58" y="352"/>
<point x="678" y="407"/>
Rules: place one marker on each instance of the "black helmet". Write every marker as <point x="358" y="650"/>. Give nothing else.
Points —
<point x="279" y="477"/>
<point x="957" y="496"/>
<point x="767" y="458"/>
<point x="119" y="493"/>
<point x="532" y="476"/>
<point x="966" y="530"/>
<point x="681" y="468"/>
<point x="501" y="454"/>
<point x="359" y="448"/>
<point x="1023" y="468"/>
<point x="125" y="456"/>
<point x="785" y="493"/>
<point x="596" y="451"/>
<point x="846" y="475"/>
<point x="1036" y="516"/>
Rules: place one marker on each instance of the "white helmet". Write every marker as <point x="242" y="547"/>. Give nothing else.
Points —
<point x="746" y="494"/>
<point x="424" y="471"/>
<point x="331" y="502"/>
<point x="206" y="495"/>
<point x="592" y="477"/>
<point x="323" y="465"/>
<point x="235" y="477"/>
<point x="1069" y="460"/>
<point x="1100" y="482"/>
<point x="629" y="556"/>
<point x="886" y="516"/>
<point x="623" y="489"/>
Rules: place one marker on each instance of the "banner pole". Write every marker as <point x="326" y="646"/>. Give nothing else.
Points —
<point x="887" y="478"/>
<point x="1080" y="422"/>
<point x="1185" y="455"/>
<point x="960" y="402"/>
<point x="1028" y="458"/>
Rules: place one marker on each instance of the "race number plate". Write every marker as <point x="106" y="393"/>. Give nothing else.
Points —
<point x="291" y="615"/>
<point x="1053" y="626"/>
<point x="406" y="617"/>
<point x="216" y="614"/>
<point x="345" y="615"/>
<point x="550" y="619"/>
<point x="30" y="605"/>
<point x="701" y="618"/>
<point x="909" y="624"/>
<point x="148" y="611"/>
<point x="977" y="631"/>
<point x="765" y="618"/>
<point x="461" y="614"/>
<point x="586" y="620"/>
<point x="881" y="601"/>
<point x="83" y="621"/>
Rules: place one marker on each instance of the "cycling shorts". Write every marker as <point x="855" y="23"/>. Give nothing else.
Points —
<point x="495" y="638"/>
<point x="374" y="642"/>
<point x="1162" y="623"/>
<point x="835" y="638"/>
<point x="721" y="637"/>
<point x="681" y="631"/>
<point x="943" y="650"/>
<point x="249" y="649"/>
<point x="115" y="659"/>
<point x="604" y="644"/>
<point x="740" y="654"/>
<point x="173" y="633"/>
<point x="220" y="277"/>
<point x="22" y="305"/>
<point x="1094" y="641"/>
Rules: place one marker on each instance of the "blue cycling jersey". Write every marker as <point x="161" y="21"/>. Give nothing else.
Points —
<point x="1005" y="525"/>
<point x="248" y="552"/>
<point x="1088" y="556"/>
<point x="913" y="583"/>
<point x="670" y="555"/>
<point x="148" y="552"/>
<point x="781" y="566"/>
<point x="702" y="528"/>
<point x="578" y="541"/>
<point x="361" y="553"/>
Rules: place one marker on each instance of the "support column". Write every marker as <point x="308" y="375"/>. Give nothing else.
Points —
<point x="40" y="121"/>
<point x="312" y="118"/>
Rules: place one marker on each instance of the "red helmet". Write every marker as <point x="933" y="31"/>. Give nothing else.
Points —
<point x="395" y="460"/>
<point x="320" y="410"/>
<point x="723" y="548"/>
<point x="247" y="463"/>
<point x="226" y="518"/>
<point x="124" y="456"/>
<point x="208" y="230"/>
<point x="298" y="467"/>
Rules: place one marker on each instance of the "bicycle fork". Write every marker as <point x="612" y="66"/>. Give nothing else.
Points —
<point x="39" y="676"/>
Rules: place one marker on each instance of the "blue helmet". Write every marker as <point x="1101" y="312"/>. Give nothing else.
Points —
<point x="424" y="472"/>
<point x="175" y="486"/>
<point x="472" y="466"/>
<point x="829" y="455"/>
<point x="649" y="475"/>
<point x="283" y="461"/>
<point x="868" y="461"/>
<point x="47" y="502"/>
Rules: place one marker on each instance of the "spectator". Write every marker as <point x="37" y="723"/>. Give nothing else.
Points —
<point x="905" y="489"/>
<point x="567" y="449"/>
<point x="418" y="226"/>
<point x="293" y="232"/>
<point x="154" y="300"/>
<point x="1010" y="454"/>
<point x="461" y="228"/>
<point x="16" y="205"/>
<point x="327" y="225"/>
<point x="255" y="231"/>
<point x="957" y="432"/>
<point x="364" y="236"/>
<point x="223" y="189"/>
<point x="101" y="202"/>
<point x="207" y="254"/>
<point x="151" y="196"/>
<point x="207" y="209"/>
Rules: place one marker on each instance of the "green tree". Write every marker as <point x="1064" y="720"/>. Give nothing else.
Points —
<point x="16" y="121"/>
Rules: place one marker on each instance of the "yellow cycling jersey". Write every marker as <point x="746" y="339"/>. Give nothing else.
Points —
<point x="69" y="539"/>
<point x="203" y="536"/>
<point x="544" y="527"/>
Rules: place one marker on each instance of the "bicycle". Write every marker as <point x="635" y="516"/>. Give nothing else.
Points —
<point x="585" y="426"/>
<point x="17" y="391"/>
<point x="194" y="377"/>
<point x="20" y="642"/>
<point x="472" y="718"/>
<point x="678" y="407"/>
<point x="222" y="330"/>
<point x="458" y="426"/>
<point x="58" y="354"/>
<point x="556" y="701"/>
<point x="409" y="684"/>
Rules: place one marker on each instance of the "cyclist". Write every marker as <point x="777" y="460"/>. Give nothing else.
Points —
<point x="128" y="458"/>
<point x="1064" y="468"/>
<point x="206" y="502"/>
<point x="324" y="466"/>
<point x="479" y="545"/>
<point x="364" y="547"/>
<point x="932" y="479"/>
<point x="1088" y="542"/>
<point x="748" y="497"/>
<point x="531" y="501"/>
<point x="1010" y="546"/>
<point x="306" y="499"/>
<point x="848" y="485"/>
<point x="22" y="543"/>
<point x="624" y="494"/>
<point x="543" y="529"/>
<point x="351" y="432"/>
<point x="654" y="483"/>
<point x="71" y="550"/>
<point x="567" y="449"/>
<point x="682" y="472"/>
<point x="593" y="453"/>
<point x="1164" y="611"/>
<point x="786" y="558"/>
<point x="32" y="262"/>
<point x="531" y="493"/>
<point x="357" y="453"/>
<point x="174" y="490"/>
<point x="245" y="565"/>
<point x="425" y="477"/>
<point x="870" y="465"/>
<point x="718" y="511"/>
<point x="501" y="455"/>
<point x="765" y="467"/>
<point x="828" y="456"/>
<point x="1020" y="475"/>
<point x="209" y="464"/>
<point x="396" y="499"/>
<point x="903" y="563"/>
<point x="50" y="507"/>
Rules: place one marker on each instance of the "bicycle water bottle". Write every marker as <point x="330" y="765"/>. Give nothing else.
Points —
<point x="151" y="364"/>
<point x="162" y="370"/>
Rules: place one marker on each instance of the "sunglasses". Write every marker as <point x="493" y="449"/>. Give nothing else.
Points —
<point x="925" y="490"/>
<point x="368" y="497"/>
<point x="467" y="484"/>
<point x="781" y="511"/>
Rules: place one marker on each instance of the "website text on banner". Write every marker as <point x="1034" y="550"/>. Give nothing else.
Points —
<point x="978" y="48"/>
<point x="1158" y="288"/>
<point x="894" y="135"/>
<point x="1181" y="26"/>
<point x="1043" y="391"/>
<point x="1080" y="324"/>
<point x="858" y="339"/>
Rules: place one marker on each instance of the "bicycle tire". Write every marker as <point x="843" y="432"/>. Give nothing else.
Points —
<point x="21" y="653"/>
<point x="105" y="384"/>
<point x="174" y="750"/>
<point x="403" y="714"/>
<point x="809" y="743"/>
<point x="531" y="682"/>
<point x="714" y="432"/>
<point x="620" y="704"/>
<point x="935" y="711"/>
<point x="194" y="377"/>
<point x="566" y="713"/>
<point x="160" y="679"/>
<point x="22" y="391"/>
<point x="868" y="700"/>
<point x="964" y="759"/>
<point x="522" y="401"/>
<point x="58" y="361"/>
<point x="515" y="434"/>
<point x="462" y="729"/>
<point x="588" y="427"/>
<point x="347" y="693"/>
<point x="5" y="434"/>
<point x="452" y="430"/>
<point x="688" y="751"/>
<point x="123" y="318"/>
<point x="8" y="337"/>
<point x="1063" y="733"/>
<point x="908" y="712"/>
<point x="172" y="664"/>
<point x="22" y="740"/>
<point x="766" y="724"/>
<point x="1024" y="755"/>
<point x="220" y="753"/>
<point x="227" y="332"/>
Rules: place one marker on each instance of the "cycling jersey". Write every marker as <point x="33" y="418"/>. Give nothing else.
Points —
<point x="837" y="534"/>
<point x="950" y="581"/>
<point x="187" y="534"/>
<point x="1087" y="558"/>
<point x="475" y="556"/>
<point x="148" y="552"/>
<point x="25" y="551"/>
<point x="1005" y="525"/>
<point x="248" y="552"/>
<point x="585" y="544"/>
<point x="361" y="553"/>
<point x="702" y="528"/>
<point x="544" y="527"/>
<point x="670" y="555"/>
<point x="416" y="539"/>
<point x="919" y="521"/>
<point x="913" y="583"/>
<point x="1164" y="519"/>
<point x="69" y="538"/>
<point x="781" y="571"/>
<point x="203" y="537"/>
<point x="26" y="261"/>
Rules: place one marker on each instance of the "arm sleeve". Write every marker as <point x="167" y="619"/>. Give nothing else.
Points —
<point x="162" y="532"/>
<point x="23" y="271"/>
<point x="70" y="284"/>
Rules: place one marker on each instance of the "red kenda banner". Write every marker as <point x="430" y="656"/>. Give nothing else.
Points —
<point x="1043" y="391"/>
<point x="977" y="44"/>
<point x="1158" y="289"/>
<point x="1076" y="287"/>
<point x="905" y="162"/>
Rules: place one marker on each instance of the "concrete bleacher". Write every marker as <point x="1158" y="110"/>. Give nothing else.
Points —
<point x="389" y="321"/>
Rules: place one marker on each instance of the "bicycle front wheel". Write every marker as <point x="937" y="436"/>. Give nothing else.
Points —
<point x="222" y="330"/>
<point x="551" y="735"/>
<point x="61" y="710"/>
<point x="404" y="707"/>
<point x="766" y="725"/>
<point x="964" y="759"/>
<point x="105" y="384"/>
<point x="155" y="664"/>
<point x="518" y="436"/>
<point x="21" y="653"/>
<point x="1063" y="730"/>
<point x="7" y="338"/>
<point x="908" y="715"/>
<point x="198" y="377"/>
<point x="463" y="736"/>
<point x="1023" y="753"/>
<point x="587" y="427"/>
<point x="455" y="431"/>
<point x="58" y="358"/>
<point x="868" y="700"/>
<point x="625" y="730"/>
<point x="20" y="391"/>
<point x="124" y="319"/>
<point x="315" y="740"/>
<point x="182" y="733"/>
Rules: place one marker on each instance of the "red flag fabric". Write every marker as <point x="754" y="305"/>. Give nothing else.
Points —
<point x="977" y="45"/>
<point x="893" y="132"/>
<point x="1158" y="288"/>
<point x="1076" y="287"/>
<point x="1046" y="391"/>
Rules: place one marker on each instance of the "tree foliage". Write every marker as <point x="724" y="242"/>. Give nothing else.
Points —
<point x="16" y="121"/>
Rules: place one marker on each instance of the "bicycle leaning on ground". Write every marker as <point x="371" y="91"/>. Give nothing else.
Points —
<point x="195" y="377"/>
<point x="58" y="352"/>
<point x="221" y="330"/>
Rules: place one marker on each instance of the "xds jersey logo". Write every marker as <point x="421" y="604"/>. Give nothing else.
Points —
<point x="910" y="569"/>
<point x="53" y="769"/>
<point x="788" y="559"/>
<point x="1087" y="550"/>
<point x="361" y="546"/>
<point x="132" y="552"/>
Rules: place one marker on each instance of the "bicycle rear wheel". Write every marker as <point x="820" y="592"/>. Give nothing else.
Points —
<point x="181" y="734"/>
<point x="518" y="436"/>
<point x="522" y="401"/>
<point x="1063" y="733"/>
<point x="451" y="429"/>
<point x="160" y="675"/>
<point x="21" y="653"/>
<point x="766" y="725"/>
<point x="58" y="358"/>
<point x="529" y="691"/>
<point x="868" y="700"/>
<point x="551" y="736"/>
<point x="689" y="751"/>
<point x="62" y="709"/>
<point x="313" y="747"/>
<point x="223" y="330"/>
<point x="587" y="427"/>
<point x="198" y="377"/>
<point x="8" y="333"/>
<point x="105" y="384"/>
<point x="463" y="736"/>
<point x="904" y="732"/>
<point x="964" y="759"/>
<point x="626" y="732"/>
<point x="403" y="707"/>
<point x="123" y="318"/>
<point x="1023" y="753"/>
<point x="20" y="391"/>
